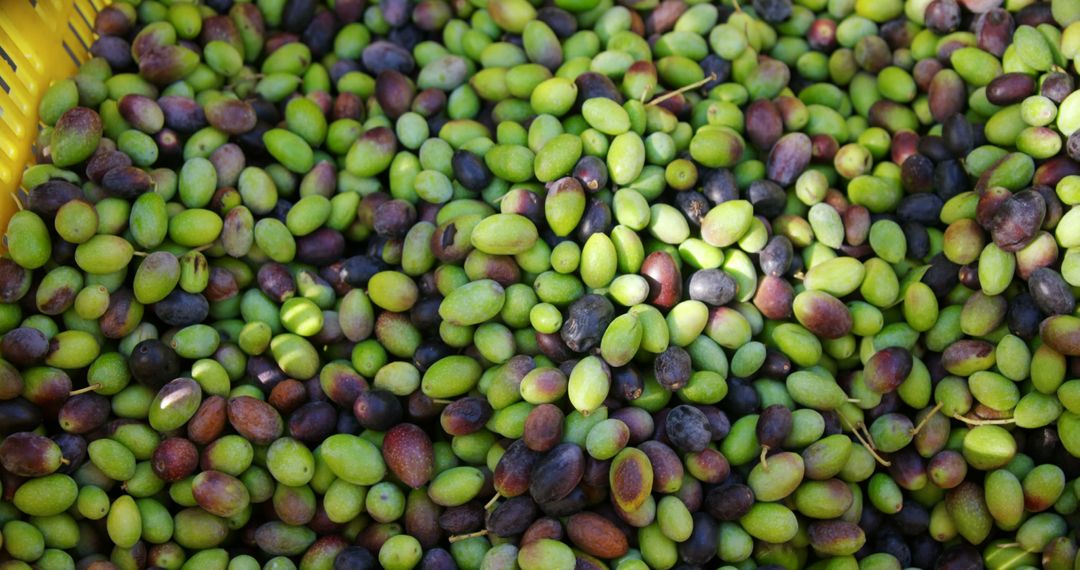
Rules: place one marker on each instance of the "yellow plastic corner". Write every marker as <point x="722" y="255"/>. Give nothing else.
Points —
<point x="40" y="41"/>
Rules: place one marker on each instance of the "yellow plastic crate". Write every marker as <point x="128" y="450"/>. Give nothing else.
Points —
<point x="40" y="41"/>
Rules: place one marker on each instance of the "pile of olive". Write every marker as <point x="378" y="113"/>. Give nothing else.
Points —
<point x="566" y="284"/>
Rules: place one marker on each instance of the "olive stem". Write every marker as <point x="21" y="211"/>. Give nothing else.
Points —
<point x="1008" y="545"/>
<point x="139" y="253"/>
<point x="91" y="388"/>
<point x="441" y="401"/>
<point x="64" y="461"/>
<point x="922" y="423"/>
<point x="868" y="447"/>
<point x="492" y="502"/>
<point x="461" y="537"/>
<point x="18" y="202"/>
<point x="869" y="437"/>
<point x="648" y="91"/>
<point x="764" y="460"/>
<point x="202" y="248"/>
<point x="854" y="400"/>
<point x="737" y="7"/>
<point x="683" y="89"/>
<point x="873" y="452"/>
<point x="972" y="422"/>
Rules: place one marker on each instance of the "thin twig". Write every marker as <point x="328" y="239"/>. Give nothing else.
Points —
<point x="648" y="90"/>
<point x="971" y="422"/>
<point x="868" y="447"/>
<point x="492" y="502"/>
<point x="683" y="89"/>
<point x="461" y="537"/>
<point x="18" y="203"/>
<point x="91" y="388"/>
<point x="764" y="461"/>
<point x="874" y="453"/>
<point x="868" y="435"/>
<point x="922" y="423"/>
